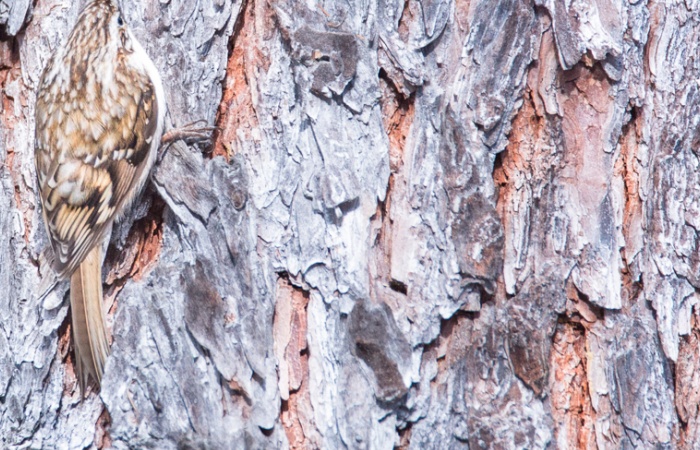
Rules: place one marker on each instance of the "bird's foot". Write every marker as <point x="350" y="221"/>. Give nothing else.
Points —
<point x="191" y="133"/>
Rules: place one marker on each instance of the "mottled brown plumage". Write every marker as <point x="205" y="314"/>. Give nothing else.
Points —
<point x="99" y="119"/>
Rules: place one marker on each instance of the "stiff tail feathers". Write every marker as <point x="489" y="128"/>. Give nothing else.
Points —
<point x="89" y="334"/>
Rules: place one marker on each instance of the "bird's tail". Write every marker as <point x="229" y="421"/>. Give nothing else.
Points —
<point x="89" y="335"/>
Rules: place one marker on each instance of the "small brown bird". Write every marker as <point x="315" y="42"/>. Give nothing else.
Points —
<point x="99" y="119"/>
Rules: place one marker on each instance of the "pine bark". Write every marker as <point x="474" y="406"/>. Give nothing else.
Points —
<point x="421" y="224"/>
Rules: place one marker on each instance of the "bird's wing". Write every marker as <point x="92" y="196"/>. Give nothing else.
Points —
<point x="89" y="158"/>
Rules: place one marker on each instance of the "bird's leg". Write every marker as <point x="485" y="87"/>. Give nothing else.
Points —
<point x="192" y="132"/>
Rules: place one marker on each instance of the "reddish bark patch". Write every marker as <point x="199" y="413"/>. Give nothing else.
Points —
<point x="404" y="438"/>
<point x="70" y="380"/>
<point x="102" y="437"/>
<point x="397" y="115"/>
<point x="11" y="72"/>
<point x="237" y="118"/>
<point x="462" y="17"/>
<point x="289" y="329"/>
<point x="141" y="251"/>
<point x="408" y="16"/>
<point x="627" y="168"/>
<point x="525" y="161"/>
<point x="520" y="154"/>
<point x="526" y="164"/>
<point x="572" y="410"/>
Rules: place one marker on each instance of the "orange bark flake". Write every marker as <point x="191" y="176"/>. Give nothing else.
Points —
<point x="571" y="403"/>
<point x="289" y="330"/>
<point x="102" y="437"/>
<point x="237" y="118"/>
<point x="397" y="115"/>
<point x="140" y="252"/>
<point x="10" y="73"/>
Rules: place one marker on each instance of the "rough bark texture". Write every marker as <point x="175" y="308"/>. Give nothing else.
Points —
<point x="422" y="224"/>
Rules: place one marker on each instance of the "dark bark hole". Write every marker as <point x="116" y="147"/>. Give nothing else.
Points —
<point x="398" y="286"/>
<point x="267" y="433"/>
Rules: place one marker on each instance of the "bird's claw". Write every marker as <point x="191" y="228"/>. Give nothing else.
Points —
<point x="191" y="133"/>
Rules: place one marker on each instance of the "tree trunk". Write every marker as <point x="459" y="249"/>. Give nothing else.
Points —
<point x="430" y="224"/>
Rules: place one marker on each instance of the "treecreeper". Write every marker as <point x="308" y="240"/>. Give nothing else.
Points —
<point x="100" y="111"/>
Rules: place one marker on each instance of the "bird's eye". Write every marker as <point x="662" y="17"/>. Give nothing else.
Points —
<point x="120" y="22"/>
